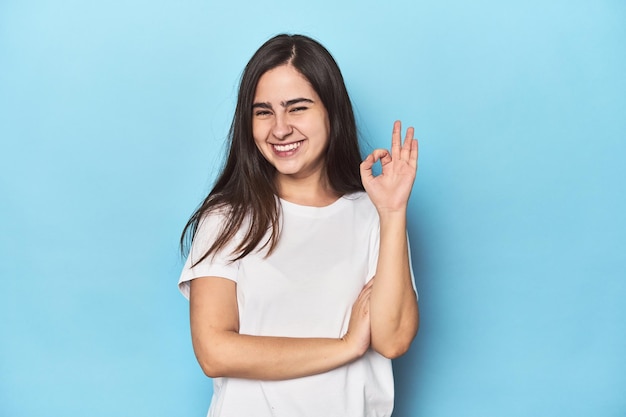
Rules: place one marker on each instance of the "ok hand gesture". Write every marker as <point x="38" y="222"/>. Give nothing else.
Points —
<point x="390" y="190"/>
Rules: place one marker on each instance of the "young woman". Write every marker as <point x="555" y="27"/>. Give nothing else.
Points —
<point x="299" y="277"/>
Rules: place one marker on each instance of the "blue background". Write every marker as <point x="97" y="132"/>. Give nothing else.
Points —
<point x="112" y="123"/>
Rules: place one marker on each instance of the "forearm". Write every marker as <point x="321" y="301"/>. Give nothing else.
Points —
<point x="223" y="352"/>
<point x="230" y="354"/>
<point x="393" y="303"/>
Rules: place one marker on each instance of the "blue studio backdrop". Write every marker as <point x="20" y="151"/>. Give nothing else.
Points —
<point x="113" y="116"/>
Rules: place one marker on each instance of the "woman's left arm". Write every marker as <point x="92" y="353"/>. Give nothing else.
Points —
<point x="394" y="312"/>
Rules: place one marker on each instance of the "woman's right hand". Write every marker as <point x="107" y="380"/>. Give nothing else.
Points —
<point x="358" y="335"/>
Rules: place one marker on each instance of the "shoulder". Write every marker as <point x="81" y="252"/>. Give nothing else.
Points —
<point x="213" y="224"/>
<point x="220" y="216"/>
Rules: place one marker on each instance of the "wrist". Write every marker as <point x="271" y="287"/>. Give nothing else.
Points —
<point x="392" y="217"/>
<point x="353" y="350"/>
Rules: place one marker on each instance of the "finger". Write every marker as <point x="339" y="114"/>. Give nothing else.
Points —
<point x="410" y="132"/>
<point x="363" y="302"/>
<point x="361" y="306"/>
<point x="406" y="146"/>
<point x="368" y="162"/>
<point x="378" y="154"/>
<point x="396" y="139"/>
<point x="414" y="152"/>
<point x="366" y="168"/>
<point x="386" y="159"/>
<point x="382" y="155"/>
<point x="365" y="292"/>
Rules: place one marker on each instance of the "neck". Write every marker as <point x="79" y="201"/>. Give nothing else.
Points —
<point x="310" y="191"/>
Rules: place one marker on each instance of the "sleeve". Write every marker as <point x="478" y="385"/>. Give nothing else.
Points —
<point x="217" y="265"/>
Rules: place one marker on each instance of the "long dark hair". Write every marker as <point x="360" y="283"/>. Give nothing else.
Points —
<point x="246" y="189"/>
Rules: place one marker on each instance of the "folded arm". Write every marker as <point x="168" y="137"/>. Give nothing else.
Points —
<point x="223" y="352"/>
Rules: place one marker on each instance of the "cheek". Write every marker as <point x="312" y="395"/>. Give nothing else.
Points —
<point x="260" y="149"/>
<point x="257" y="133"/>
<point x="259" y="140"/>
<point x="327" y="129"/>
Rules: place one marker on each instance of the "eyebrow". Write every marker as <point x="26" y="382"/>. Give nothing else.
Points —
<point x="296" y="101"/>
<point x="283" y="103"/>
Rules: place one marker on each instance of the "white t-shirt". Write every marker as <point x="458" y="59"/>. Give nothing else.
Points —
<point x="305" y="288"/>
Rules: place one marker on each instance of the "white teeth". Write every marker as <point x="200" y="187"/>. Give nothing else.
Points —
<point x="289" y="147"/>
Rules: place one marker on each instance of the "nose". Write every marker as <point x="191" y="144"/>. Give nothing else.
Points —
<point x="282" y="128"/>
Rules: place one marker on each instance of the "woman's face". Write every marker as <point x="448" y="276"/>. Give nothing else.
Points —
<point x="289" y="123"/>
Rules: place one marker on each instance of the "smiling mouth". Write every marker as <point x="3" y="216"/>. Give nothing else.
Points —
<point x="288" y="147"/>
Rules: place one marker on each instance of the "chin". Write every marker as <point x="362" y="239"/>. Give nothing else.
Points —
<point x="287" y="170"/>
